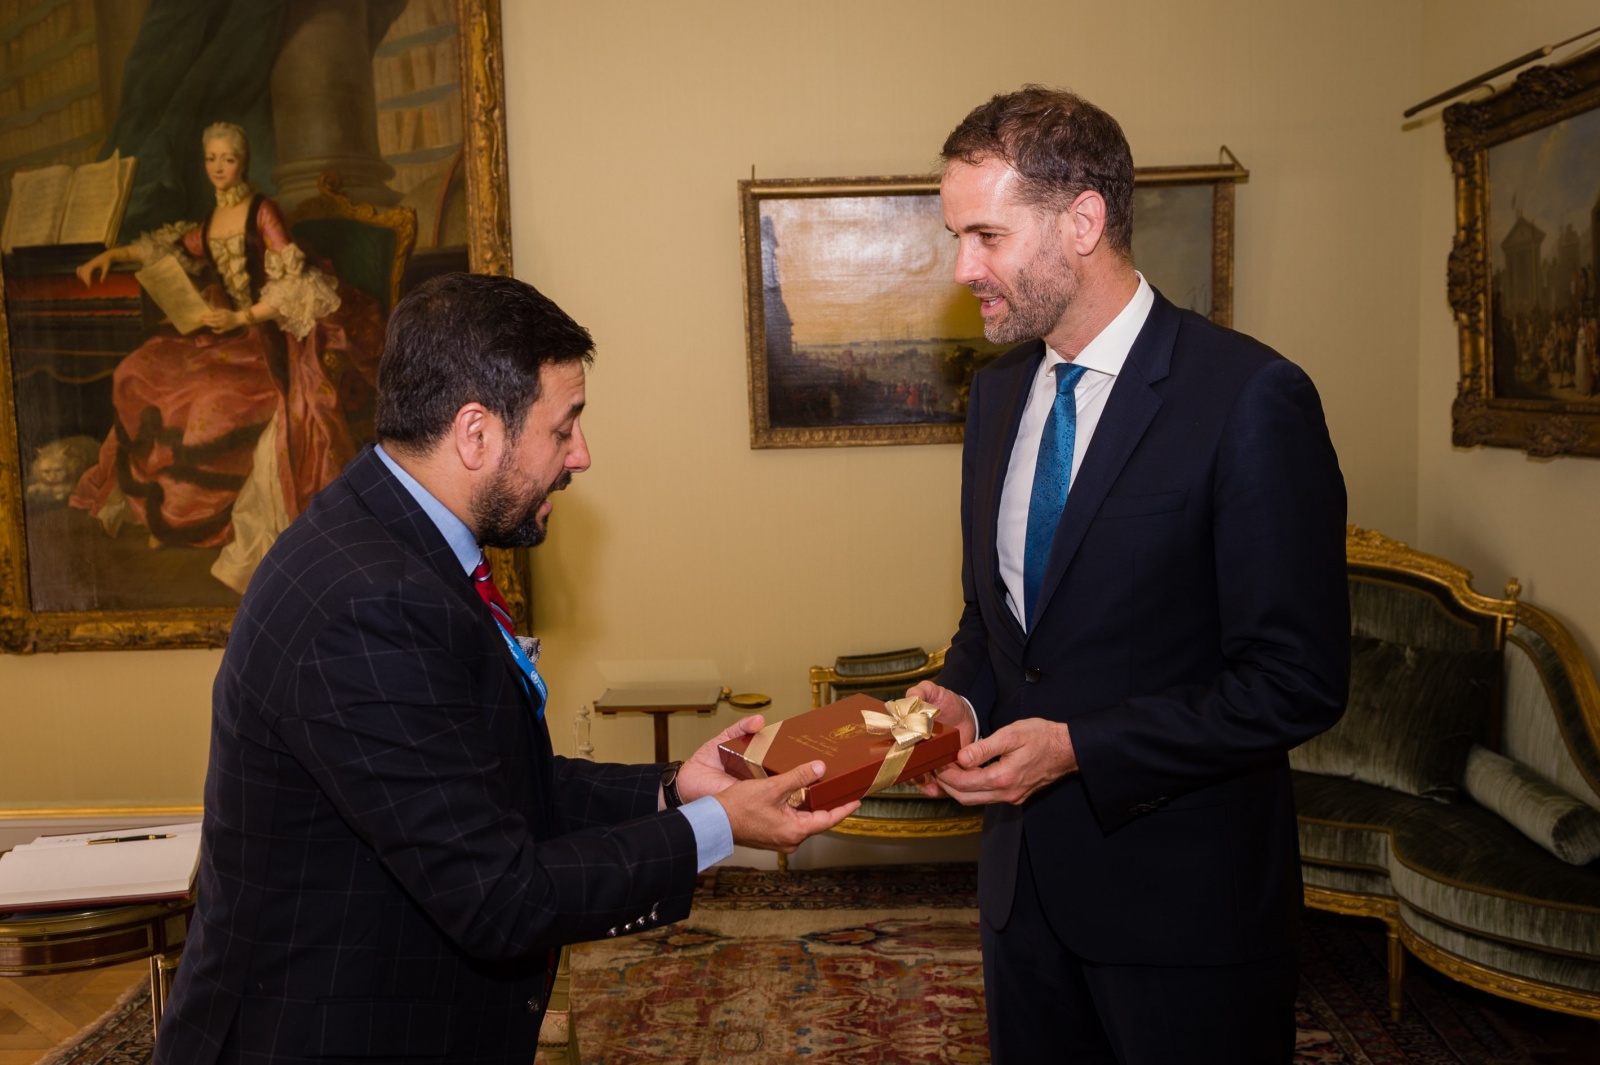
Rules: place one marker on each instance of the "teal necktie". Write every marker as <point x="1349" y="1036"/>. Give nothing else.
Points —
<point x="1051" y="477"/>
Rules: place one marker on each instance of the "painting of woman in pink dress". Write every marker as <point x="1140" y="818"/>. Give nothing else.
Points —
<point x="223" y="436"/>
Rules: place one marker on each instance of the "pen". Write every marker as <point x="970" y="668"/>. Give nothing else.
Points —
<point x="128" y="839"/>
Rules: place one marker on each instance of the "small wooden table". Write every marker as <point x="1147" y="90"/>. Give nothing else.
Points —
<point x="661" y="701"/>
<point x="42" y="942"/>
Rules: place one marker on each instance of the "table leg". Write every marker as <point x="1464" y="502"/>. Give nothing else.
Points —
<point x="162" y="966"/>
<point x="158" y="998"/>
<point x="661" y="736"/>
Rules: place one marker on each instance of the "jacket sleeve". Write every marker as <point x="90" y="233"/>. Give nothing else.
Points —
<point x="597" y="794"/>
<point x="968" y="670"/>
<point x="1278" y="525"/>
<point x="382" y="717"/>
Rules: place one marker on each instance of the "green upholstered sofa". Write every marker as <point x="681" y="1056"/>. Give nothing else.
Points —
<point x="1458" y="885"/>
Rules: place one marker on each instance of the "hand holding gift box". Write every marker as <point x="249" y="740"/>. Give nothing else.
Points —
<point x="867" y="745"/>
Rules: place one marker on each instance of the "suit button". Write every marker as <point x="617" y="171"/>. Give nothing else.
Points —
<point x="1032" y="675"/>
<point x="536" y="1004"/>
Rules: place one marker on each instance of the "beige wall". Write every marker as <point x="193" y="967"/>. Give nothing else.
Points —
<point x="631" y="123"/>
<point x="683" y="553"/>
<point x="1496" y="511"/>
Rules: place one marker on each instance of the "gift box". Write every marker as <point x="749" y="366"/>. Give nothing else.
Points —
<point x="866" y="744"/>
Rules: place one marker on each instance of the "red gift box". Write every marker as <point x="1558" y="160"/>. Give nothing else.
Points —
<point x="837" y="735"/>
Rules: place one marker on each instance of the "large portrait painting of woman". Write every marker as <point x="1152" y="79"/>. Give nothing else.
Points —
<point x="210" y="207"/>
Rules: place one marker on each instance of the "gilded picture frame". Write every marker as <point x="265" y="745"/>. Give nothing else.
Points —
<point x="1522" y="268"/>
<point x="855" y="330"/>
<point x="464" y="223"/>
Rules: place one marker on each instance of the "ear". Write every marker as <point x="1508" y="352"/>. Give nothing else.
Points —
<point x="475" y="434"/>
<point x="1084" y="223"/>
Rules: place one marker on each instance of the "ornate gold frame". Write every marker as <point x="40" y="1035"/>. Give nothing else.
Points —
<point x="1222" y="177"/>
<point x="1540" y="96"/>
<point x="25" y="631"/>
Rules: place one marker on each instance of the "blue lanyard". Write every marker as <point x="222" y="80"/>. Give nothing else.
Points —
<point x="530" y="672"/>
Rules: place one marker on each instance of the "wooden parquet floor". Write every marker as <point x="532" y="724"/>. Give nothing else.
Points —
<point x="38" y="1012"/>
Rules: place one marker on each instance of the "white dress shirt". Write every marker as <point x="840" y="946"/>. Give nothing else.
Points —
<point x="1102" y="358"/>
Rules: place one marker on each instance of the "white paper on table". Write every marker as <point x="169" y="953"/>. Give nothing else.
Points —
<point x="62" y="876"/>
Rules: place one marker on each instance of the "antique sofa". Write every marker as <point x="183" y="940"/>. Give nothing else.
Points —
<point x="1458" y="800"/>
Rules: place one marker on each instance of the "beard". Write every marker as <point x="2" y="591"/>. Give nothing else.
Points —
<point x="504" y="516"/>
<point x="1040" y="296"/>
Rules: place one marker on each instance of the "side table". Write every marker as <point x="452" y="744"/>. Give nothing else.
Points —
<point x="661" y="701"/>
<point x="42" y="942"/>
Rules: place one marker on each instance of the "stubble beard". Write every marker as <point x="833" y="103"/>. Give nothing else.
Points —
<point x="506" y="518"/>
<point x="1040" y="296"/>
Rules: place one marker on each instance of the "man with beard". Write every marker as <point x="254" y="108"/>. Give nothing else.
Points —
<point x="392" y="855"/>
<point x="1153" y="571"/>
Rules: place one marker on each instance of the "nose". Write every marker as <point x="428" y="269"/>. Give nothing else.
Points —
<point x="968" y="267"/>
<point x="578" y="456"/>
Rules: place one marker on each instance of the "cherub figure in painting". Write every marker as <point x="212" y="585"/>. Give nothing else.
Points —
<point x="223" y="436"/>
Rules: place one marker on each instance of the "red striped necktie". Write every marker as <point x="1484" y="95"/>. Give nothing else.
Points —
<point x="483" y="581"/>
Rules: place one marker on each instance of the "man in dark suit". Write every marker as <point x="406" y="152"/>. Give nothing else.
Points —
<point x="392" y="855"/>
<point x="1153" y="570"/>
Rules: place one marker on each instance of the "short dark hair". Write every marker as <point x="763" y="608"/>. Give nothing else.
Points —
<point x="462" y="338"/>
<point x="1061" y="145"/>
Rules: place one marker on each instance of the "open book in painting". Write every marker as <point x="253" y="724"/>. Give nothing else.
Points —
<point x="67" y="204"/>
<point x="94" y="869"/>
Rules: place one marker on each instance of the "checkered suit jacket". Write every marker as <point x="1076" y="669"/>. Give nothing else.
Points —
<point x="390" y="848"/>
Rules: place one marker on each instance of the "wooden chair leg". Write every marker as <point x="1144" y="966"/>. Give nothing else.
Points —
<point x="1397" y="972"/>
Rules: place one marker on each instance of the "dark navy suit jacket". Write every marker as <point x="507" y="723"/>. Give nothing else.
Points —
<point x="1192" y="626"/>
<point x="390" y="849"/>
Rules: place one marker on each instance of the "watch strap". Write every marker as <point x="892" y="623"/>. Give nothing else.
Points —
<point x="669" y="785"/>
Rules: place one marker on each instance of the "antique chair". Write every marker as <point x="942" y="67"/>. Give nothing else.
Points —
<point x="369" y="246"/>
<point x="899" y="811"/>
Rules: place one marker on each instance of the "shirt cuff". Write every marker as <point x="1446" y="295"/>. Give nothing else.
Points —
<point x="713" y="835"/>
<point x="977" y="727"/>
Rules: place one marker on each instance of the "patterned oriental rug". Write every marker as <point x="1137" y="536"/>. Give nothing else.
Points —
<point x="881" y="966"/>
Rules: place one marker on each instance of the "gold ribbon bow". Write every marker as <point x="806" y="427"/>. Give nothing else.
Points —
<point x="909" y="721"/>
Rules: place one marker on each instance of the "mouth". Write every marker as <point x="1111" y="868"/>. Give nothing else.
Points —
<point x="989" y="303"/>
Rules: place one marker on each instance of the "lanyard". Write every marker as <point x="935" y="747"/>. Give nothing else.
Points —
<point x="530" y="673"/>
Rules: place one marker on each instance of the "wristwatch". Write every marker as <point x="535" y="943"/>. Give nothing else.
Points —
<point x="669" y="785"/>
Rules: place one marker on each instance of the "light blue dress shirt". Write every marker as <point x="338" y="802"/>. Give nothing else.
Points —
<point x="713" y="835"/>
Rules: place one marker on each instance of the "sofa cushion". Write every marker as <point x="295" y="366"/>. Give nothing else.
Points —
<point x="1557" y="821"/>
<point x="1413" y="714"/>
<point x="1460" y="864"/>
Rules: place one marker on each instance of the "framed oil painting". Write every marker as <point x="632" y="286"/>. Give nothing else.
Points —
<point x="856" y="332"/>
<point x="156" y="436"/>
<point x="1522" y="276"/>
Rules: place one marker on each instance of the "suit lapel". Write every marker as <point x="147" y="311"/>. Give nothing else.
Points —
<point x="393" y="505"/>
<point x="1011" y="396"/>
<point x="1130" y="409"/>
